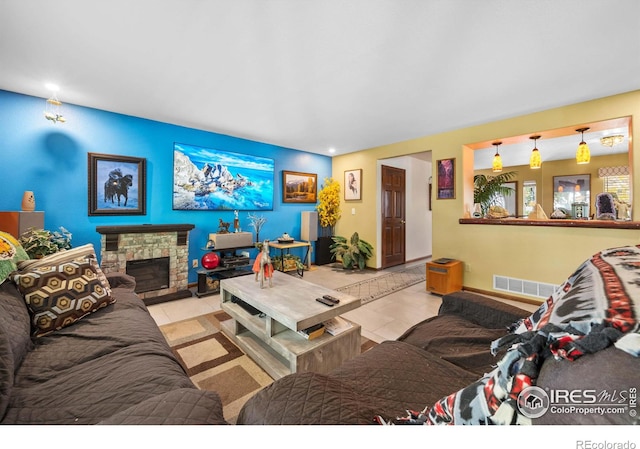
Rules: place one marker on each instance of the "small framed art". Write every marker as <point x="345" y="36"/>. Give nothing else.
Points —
<point x="446" y="181"/>
<point x="299" y="187"/>
<point x="117" y="185"/>
<point x="353" y="185"/>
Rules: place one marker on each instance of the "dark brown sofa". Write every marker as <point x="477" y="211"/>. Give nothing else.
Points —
<point x="433" y="359"/>
<point x="113" y="366"/>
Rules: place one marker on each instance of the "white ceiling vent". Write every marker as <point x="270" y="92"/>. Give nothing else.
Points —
<point x="523" y="287"/>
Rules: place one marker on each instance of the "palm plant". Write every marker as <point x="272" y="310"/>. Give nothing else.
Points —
<point x="352" y="252"/>
<point x="487" y="189"/>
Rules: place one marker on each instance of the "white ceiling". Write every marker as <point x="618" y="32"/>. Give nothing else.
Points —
<point x="314" y="75"/>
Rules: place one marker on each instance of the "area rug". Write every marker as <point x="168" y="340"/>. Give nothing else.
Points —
<point x="379" y="286"/>
<point x="215" y="363"/>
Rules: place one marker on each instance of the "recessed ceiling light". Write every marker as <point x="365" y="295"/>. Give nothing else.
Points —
<point x="332" y="150"/>
<point x="52" y="87"/>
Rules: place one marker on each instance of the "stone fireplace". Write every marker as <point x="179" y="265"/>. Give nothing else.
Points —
<point x="146" y="248"/>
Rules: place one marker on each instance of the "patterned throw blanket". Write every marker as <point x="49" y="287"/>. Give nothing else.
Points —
<point x="599" y="305"/>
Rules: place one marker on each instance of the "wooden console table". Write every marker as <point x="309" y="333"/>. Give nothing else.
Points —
<point x="271" y="338"/>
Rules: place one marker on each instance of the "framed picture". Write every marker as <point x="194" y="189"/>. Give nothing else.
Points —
<point x="299" y="187"/>
<point x="446" y="181"/>
<point x="571" y="191"/>
<point x="353" y="185"/>
<point x="209" y="179"/>
<point x="117" y="185"/>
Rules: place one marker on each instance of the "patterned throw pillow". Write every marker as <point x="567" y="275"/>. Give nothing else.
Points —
<point x="11" y="252"/>
<point x="85" y="251"/>
<point x="59" y="294"/>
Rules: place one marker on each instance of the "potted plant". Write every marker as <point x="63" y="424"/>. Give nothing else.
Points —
<point x="38" y="243"/>
<point x="328" y="214"/>
<point x="486" y="189"/>
<point x="353" y="253"/>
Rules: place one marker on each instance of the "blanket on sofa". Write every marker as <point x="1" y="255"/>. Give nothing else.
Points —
<point x="596" y="307"/>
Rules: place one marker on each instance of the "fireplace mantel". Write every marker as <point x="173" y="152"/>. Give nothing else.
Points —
<point x="111" y="233"/>
<point x="145" y="228"/>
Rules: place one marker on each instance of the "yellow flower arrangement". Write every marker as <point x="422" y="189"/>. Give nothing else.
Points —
<point x="329" y="206"/>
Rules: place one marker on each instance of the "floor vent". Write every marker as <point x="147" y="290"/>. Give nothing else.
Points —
<point x="523" y="287"/>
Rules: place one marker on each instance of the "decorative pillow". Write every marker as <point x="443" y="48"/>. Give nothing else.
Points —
<point x="59" y="294"/>
<point x="11" y="252"/>
<point x="84" y="251"/>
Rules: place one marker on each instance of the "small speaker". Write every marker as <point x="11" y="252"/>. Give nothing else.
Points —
<point x="309" y="227"/>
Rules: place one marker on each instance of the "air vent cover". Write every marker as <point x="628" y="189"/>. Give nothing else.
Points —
<point x="523" y="287"/>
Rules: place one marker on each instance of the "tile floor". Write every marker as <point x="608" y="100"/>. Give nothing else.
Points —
<point x="383" y="319"/>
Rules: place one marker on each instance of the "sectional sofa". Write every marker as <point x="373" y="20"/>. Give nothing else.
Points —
<point x="78" y="347"/>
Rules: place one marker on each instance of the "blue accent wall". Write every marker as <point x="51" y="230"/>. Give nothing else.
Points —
<point x="51" y="160"/>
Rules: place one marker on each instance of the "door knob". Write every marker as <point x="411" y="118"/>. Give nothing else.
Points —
<point x="403" y="221"/>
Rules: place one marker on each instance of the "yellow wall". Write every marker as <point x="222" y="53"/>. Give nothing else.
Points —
<point x="544" y="254"/>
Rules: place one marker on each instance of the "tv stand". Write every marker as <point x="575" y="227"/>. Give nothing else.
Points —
<point x="209" y="280"/>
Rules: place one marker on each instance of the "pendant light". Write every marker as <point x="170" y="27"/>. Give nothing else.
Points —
<point x="497" y="160"/>
<point x="535" y="161"/>
<point x="583" y="155"/>
<point x="53" y="106"/>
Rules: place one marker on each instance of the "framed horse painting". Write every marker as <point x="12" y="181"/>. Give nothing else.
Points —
<point x="117" y="185"/>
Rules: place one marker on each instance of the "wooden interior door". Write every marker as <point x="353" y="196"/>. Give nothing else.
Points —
<point x="393" y="216"/>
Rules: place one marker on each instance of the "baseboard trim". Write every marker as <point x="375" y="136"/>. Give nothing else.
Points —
<point x="502" y="295"/>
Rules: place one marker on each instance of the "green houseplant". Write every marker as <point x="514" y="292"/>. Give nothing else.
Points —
<point x="486" y="189"/>
<point x="353" y="252"/>
<point x="38" y="243"/>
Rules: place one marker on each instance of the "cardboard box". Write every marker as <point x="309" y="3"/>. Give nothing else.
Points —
<point x="231" y="240"/>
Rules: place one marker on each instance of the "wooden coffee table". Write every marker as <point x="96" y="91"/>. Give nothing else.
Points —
<point x="271" y="337"/>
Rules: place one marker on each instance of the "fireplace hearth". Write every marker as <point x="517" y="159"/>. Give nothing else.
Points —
<point x="157" y="256"/>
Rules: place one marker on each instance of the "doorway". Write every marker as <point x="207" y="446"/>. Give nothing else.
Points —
<point x="393" y="208"/>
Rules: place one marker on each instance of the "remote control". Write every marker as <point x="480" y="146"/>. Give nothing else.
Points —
<point x="326" y="302"/>
<point x="332" y="299"/>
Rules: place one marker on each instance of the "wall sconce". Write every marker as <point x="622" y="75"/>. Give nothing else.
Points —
<point x="497" y="159"/>
<point x="610" y="141"/>
<point x="583" y="155"/>
<point x="535" y="161"/>
<point x="53" y="107"/>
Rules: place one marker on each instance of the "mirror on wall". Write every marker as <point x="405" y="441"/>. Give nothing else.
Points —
<point x="561" y="183"/>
